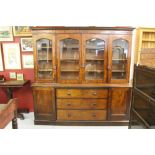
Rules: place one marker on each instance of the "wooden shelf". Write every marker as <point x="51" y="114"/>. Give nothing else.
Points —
<point x="45" y="47"/>
<point x="95" y="48"/>
<point x="94" y="70"/>
<point x="149" y="40"/>
<point x="44" y="59"/>
<point x="119" y="71"/>
<point x="71" y="47"/>
<point x="94" y="59"/>
<point x="119" y="59"/>
<point x="69" y="59"/>
<point x="69" y="70"/>
<point x="45" y="70"/>
<point x="94" y="78"/>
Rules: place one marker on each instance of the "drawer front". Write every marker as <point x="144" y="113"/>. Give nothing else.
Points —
<point x="81" y="115"/>
<point x="82" y="93"/>
<point x="81" y="103"/>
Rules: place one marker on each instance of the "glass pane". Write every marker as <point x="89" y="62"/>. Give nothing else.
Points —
<point x="44" y="51"/>
<point x="119" y="58"/>
<point x="69" y="59"/>
<point x="94" y="69"/>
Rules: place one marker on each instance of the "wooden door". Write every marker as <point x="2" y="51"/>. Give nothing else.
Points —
<point x="119" y="58"/>
<point x="69" y="58"/>
<point x="44" y="57"/>
<point x="94" y="60"/>
<point x="44" y="103"/>
<point x="119" y="103"/>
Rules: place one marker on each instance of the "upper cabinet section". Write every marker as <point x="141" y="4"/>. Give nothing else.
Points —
<point x="119" y="58"/>
<point x="44" y="58"/>
<point x="69" y="57"/>
<point x="82" y="55"/>
<point x="95" y="58"/>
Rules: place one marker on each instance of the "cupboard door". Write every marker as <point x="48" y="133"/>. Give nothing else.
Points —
<point x="45" y="68"/>
<point x="44" y="105"/>
<point x="119" y="58"/>
<point x="94" y="58"/>
<point x="119" y="101"/>
<point x="69" y="58"/>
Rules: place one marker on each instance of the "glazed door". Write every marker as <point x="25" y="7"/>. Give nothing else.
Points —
<point x="94" y="58"/>
<point x="119" y="58"/>
<point x="45" y="68"/>
<point x="69" y="58"/>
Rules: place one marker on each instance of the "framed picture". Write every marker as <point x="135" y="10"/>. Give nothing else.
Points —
<point x="11" y="53"/>
<point x="22" y="31"/>
<point x="6" y="33"/>
<point x="28" y="61"/>
<point x="26" y="44"/>
<point x="20" y="76"/>
<point x="1" y="62"/>
<point x="12" y="75"/>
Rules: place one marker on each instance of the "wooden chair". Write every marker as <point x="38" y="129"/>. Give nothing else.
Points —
<point x="8" y="113"/>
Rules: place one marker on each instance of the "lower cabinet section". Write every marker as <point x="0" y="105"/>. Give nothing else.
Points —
<point x="81" y="104"/>
<point x="81" y="115"/>
<point x="101" y="105"/>
<point x="44" y="103"/>
<point x="119" y="103"/>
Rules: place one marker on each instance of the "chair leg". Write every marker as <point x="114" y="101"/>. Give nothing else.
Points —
<point x="14" y="121"/>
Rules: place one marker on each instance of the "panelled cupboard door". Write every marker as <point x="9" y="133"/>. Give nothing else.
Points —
<point x="44" y="107"/>
<point x="44" y="57"/>
<point x="69" y="58"/>
<point x="94" y="60"/>
<point x="119" y="58"/>
<point x="119" y="102"/>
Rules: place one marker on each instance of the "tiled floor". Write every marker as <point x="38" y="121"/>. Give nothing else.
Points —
<point x="28" y="123"/>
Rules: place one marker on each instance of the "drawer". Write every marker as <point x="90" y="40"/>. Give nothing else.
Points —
<point x="81" y="103"/>
<point x="81" y="115"/>
<point x="82" y="93"/>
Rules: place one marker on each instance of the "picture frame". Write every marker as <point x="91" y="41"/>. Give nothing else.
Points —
<point x="6" y="33"/>
<point x="11" y="53"/>
<point x="22" y="31"/>
<point x="1" y="62"/>
<point x="26" y="44"/>
<point x="20" y="76"/>
<point x="12" y="75"/>
<point x="28" y="61"/>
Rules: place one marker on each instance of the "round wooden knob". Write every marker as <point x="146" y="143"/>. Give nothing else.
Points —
<point x="94" y="104"/>
<point x="69" y="115"/>
<point x="94" y="115"/>
<point x="94" y="93"/>
<point x="68" y="104"/>
<point x="68" y="93"/>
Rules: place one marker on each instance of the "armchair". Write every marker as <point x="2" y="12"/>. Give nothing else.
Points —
<point x="8" y="113"/>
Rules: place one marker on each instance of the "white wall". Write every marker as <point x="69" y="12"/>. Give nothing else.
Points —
<point x="78" y="12"/>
